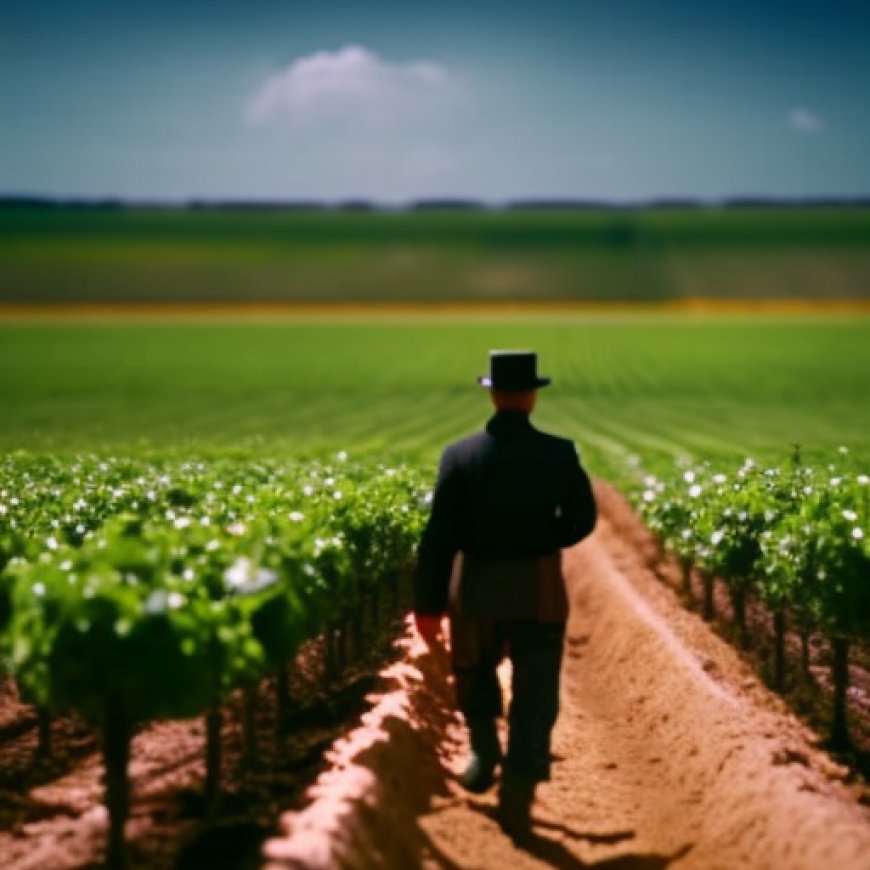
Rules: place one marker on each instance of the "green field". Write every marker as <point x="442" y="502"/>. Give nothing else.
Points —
<point x="89" y="254"/>
<point x="659" y="386"/>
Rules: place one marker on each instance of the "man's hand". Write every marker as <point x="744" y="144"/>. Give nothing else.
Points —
<point x="429" y="628"/>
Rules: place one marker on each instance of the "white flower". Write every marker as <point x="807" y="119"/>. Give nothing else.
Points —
<point x="237" y="529"/>
<point x="719" y="478"/>
<point x="857" y="533"/>
<point x="182" y="523"/>
<point x="337" y="495"/>
<point x="851" y="516"/>
<point x="689" y="476"/>
<point x="51" y="543"/>
<point x="296" y="516"/>
<point x="694" y="490"/>
<point x="174" y="600"/>
<point x="238" y="573"/>
<point x="341" y="456"/>
<point x="39" y="589"/>
<point x="307" y="489"/>
<point x="717" y="536"/>
<point x="835" y="481"/>
<point x="649" y="495"/>
<point x="863" y="479"/>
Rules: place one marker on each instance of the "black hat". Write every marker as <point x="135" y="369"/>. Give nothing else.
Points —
<point x="513" y="370"/>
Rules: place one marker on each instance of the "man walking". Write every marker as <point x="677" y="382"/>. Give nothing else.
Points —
<point x="506" y="502"/>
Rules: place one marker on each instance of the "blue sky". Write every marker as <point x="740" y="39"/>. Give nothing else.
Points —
<point x="613" y="99"/>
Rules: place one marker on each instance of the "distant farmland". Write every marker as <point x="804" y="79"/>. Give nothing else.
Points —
<point x="164" y="255"/>
<point x="656" y="386"/>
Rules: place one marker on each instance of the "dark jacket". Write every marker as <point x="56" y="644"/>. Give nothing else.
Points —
<point x="507" y="495"/>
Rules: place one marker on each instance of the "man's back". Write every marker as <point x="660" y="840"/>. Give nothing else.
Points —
<point x="510" y="491"/>
<point x="520" y="492"/>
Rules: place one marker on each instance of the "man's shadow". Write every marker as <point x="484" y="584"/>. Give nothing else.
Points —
<point x="555" y="854"/>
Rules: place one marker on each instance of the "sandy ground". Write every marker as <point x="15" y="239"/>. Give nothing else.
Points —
<point x="669" y="752"/>
<point x="51" y="812"/>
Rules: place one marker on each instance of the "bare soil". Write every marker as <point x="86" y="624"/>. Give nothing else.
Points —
<point x="51" y="812"/>
<point x="669" y="752"/>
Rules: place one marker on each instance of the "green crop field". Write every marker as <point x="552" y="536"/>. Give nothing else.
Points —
<point x="659" y="386"/>
<point x="90" y="254"/>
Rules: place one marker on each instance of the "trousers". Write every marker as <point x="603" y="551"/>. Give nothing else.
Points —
<point x="535" y="651"/>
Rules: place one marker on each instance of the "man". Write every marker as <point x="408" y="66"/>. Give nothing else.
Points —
<point x="507" y="500"/>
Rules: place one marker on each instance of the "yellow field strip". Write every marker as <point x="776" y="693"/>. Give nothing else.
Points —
<point x="301" y="310"/>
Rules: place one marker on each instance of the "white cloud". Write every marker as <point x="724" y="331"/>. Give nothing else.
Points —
<point x="352" y="86"/>
<point x="805" y="121"/>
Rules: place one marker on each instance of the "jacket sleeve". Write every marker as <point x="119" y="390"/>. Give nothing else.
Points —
<point x="577" y="504"/>
<point x="439" y="543"/>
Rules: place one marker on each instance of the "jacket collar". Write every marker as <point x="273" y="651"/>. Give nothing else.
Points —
<point x="507" y="424"/>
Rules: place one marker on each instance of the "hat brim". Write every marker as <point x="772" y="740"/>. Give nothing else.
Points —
<point x="486" y="381"/>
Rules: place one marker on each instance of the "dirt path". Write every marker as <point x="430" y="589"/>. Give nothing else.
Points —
<point x="669" y="753"/>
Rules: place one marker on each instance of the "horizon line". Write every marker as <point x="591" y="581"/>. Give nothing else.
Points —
<point x="425" y="203"/>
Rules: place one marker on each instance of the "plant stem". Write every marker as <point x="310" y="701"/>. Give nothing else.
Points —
<point x="43" y="730"/>
<point x="738" y="605"/>
<point x="249" y="724"/>
<point x="840" y="675"/>
<point x="117" y="735"/>
<point x="213" y="758"/>
<point x="686" y="566"/>
<point x="329" y="669"/>
<point x="805" y="653"/>
<point x="356" y="631"/>
<point x="283" y="701"/>
<point x="709" y="609"/>
<point x="779" y="626"/>
<point x="341" y="646"/>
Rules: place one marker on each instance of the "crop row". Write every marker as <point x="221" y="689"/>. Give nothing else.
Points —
<point x="794" y="536"/>
<point x="133" y="590"/>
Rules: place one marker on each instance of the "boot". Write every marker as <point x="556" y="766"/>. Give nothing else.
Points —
<point x="514" y="813"/>
<point x="479" y="774"/>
